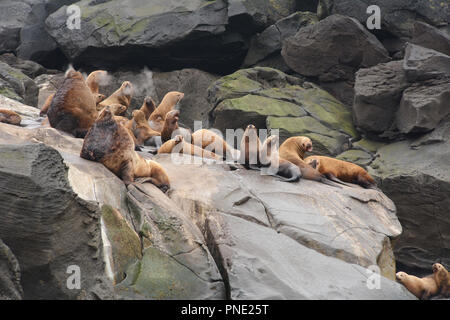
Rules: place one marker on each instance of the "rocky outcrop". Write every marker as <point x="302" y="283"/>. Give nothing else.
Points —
<point x="13" y="15"/>
<point x="194" y="242"/>
<point x="333" y="49"/>
<point x="10" y="287"/>
<point x="271" y="99"/>
<point x="397" y="17"/>
<point x="415" y="175"/>
<point x="428" y="36"/>
<point x="16" y="85"/>
<point x="403" y="97"/>
<point x="267" y="44"/>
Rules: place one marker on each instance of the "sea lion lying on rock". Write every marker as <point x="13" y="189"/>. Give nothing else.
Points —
<point x="10" y="117"/>
<point x="109" y="143"/>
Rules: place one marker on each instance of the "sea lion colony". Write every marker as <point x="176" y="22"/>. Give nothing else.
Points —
<point x="112" y="139"/>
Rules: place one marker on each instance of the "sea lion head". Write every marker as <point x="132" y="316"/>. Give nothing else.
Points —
<point x="149" y="101"/>
<point x="306" y="144"/>
<point x="173" y="97"/>
<point x="127" y="88"/>
<point x="105" y="115"/>
<point x="437" y="267"/>
<point x="139" y="116"/>
<point x="117" y="109"/>
<point x="173" y="116"/>
<point x="72" y="74"/>
<point x="401" y="276"/>
<point x="99" y="97"/>
<point x="179" y="138"/>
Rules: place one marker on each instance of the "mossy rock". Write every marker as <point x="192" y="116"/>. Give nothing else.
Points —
<point x="368" y="145"/>
<point x="325" y="141"/>
<point x="359" y="157"/>
<point x="125" y="242"/>
<point x="159" y="276"/>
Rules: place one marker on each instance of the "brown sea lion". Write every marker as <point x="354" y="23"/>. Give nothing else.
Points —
<point x="46" y="105"/>
<point x="343" y="170"/>
<point x="269" y="157"/>
<point x="422" y="288"/>
<point x="95" y="79"/>
<point x="442" y="278"/>
<point x="250" y="148"/>
<point x="138" y="125"/>
<point x="109" y="143"/>
<point x="73" y="107"/>
<point x="293" y="150"/>
<point x="120" y="96"/>
<point x="178" y="145"/>
<point x="171" y="128"/>
<point x="148" y="106"/>
<point x="10" y="117"/>
<point x="98" y="97"/>
<point x="158" y="116"/>
<point x="211" y="141"/>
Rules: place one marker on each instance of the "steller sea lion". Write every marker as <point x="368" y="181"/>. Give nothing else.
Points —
<point x="250" y="148"/>
<point x="171" y="128"/>
<point x="293" y="150"/>
<point x="342" y="170"/>
<point x="286" y="170"/>
<point x="167" y="104"/>
<point x="140" y="128"/>
<point x="211" y="141"/>
<point x="178" y="145"/>
<point x="120" y="96"/>
<point x="148" y="106"/>
<point x="442" y="278"/>
<point x="109" y="143"/>
<point x="73" y="107"/>
<point x="95" y="79"/>
<point x="10" y="117"/>
<point x="422" y="288"/>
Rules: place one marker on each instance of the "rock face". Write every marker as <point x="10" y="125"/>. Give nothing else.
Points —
<point x="403" y="97"/>
<point x="397" y="17"/>
<point x="10" y="288"/>
<point x="333" y="49"/>
<point x="16" y="85"/>
<point x="430" y="37"/>
<point x="13" y="15"/>
<point x="217" y="234"/>
<point x="269" y="42"/>
<point x="271" y="99"/>
<point x="415" y="175"/>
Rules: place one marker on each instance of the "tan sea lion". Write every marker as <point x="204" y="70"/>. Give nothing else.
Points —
<point x="140" y="128"/>
<point x="158" y="116"/>
<point x="422" y="288"/>
<point x="442" y="278"/>
<point x="293" y="150"/>
<point x="250" y="148"/>
<point x="95" y="79"/>
<point x="109" y="143"/>
<point x="211" y="141"/>
<point x="148" y="106"/>
<point x="178" y="145"/>
<point x="10" y="117"/>
<point x="171" y="128"/>
<point x="73" y="108"/>
<point x="342" y="170"/>
<point x="120" y="96"/>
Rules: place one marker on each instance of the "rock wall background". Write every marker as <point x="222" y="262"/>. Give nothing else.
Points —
<point x="379" y="98"/>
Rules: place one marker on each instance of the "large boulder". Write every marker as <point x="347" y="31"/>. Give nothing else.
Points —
<point x="415" y="174"/>
<point x="378" y="91"/>
<point x="269" y="42"/>
<point x="16" y="85"/>
<point x="13" y="15"/>
<point x="397" y="17"/>
<point x="430" y="37"/>
<point x="333" y="49"/>
<point x="422" y="63"/>
<point x="271" y="99"/>
<point x="116" y="33"/>
<point x="30" y="68"/>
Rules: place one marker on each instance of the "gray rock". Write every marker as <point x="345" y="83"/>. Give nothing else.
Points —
<point x="416" y="176"/>
<point x="422" y="63"/>
<point x="333" y="49"/>
<point x="423" y="106"/>
<point x="47" y="226"/>
<point x="378" y="91"/>
<point x="48" y="84"/>
<point x="16" y="85"/>
<point x="397" y="17"/>
<point x="10" y="287"/>
<point x="430" y="37"/>
<point x="13" y="15"/>
<point x="29" y="68"/>
<point x="269" y="41"/>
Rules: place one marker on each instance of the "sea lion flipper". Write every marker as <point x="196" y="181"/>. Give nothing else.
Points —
<point x="324" y="180"/>
<point x="126" y="173"/>
<point x="332" y="177"/>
